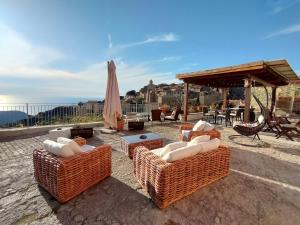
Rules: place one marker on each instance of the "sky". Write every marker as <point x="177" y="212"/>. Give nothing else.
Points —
<point x="56" y="51"/>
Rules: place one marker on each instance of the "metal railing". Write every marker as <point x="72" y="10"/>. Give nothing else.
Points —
<point x="38" y="114"/>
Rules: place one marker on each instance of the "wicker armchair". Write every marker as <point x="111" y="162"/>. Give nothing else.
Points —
<point x="169" y="182"/>
<point x="189" y="126"/>
<point x="65" y="178"/>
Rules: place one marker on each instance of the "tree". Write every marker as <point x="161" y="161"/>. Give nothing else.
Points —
<point x="131" y="93"/>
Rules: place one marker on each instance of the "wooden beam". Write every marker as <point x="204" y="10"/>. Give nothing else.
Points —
<point x="185" y="103"/>
<point x="247" y="85"/>
<point x="225" y="94"/>
<point x="273" y="101"/>
<point x="265" y="83"/>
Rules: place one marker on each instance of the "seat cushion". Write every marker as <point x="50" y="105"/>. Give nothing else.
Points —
<point x="75" y="147"/>
<point x="210" y="145"/>
<point x="169" y="147"/>
<point x="208" y="127"/>
<point x="199" y="139"/>
<point x="199" y="125"/>
<point x="182" y="153"/>
<point x="62" y="150"/>
<point x="169" y="117"/>
<point x="86" y="148"/>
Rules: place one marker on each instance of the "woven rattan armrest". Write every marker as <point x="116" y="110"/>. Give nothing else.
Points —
<point x="104" y="149"/>
<point x="186" y="126"/>
<point x="150" y="171"/>
<point x="80" y="141"/>
<point x="213" y="134"/>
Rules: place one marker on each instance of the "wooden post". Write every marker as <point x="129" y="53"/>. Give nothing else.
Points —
<point x="273" y="101"/>
<point x="185" y="103"/>
<point x="248" y="84"/>
<point x="225" y="94"/>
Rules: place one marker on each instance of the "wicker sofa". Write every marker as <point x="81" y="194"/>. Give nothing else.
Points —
<point x="189" y="126"/>
<point x="65" y="178"/>
<point x="169" y="182"/>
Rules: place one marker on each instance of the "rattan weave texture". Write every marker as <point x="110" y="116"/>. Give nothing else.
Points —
<point x="65" y="178"/>
<point x="169" y="182"/>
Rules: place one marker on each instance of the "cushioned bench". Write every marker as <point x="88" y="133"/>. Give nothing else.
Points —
<point x="169" y="182"/>
<point x="65" y="178"/>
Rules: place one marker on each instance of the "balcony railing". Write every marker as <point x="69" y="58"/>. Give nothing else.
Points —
<point x="33" y="114"/>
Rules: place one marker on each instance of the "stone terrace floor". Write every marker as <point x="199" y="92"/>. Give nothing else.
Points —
<point x="263" y="188"/>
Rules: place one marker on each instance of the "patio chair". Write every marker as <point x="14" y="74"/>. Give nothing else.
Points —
<point x="156" y="115"/>
<point x="237" y="115"/>
<point x="168" y="182"/>
<point x="131" y="117"/>
<point x="226" y="117"/>
<point x="174" y="116"/>
<point x="208" y="115"/>
<point x="192" y="134"/>
<point x="249" y="129"/>
<point x="289" y="130"/>
<point x="65" y="178"/>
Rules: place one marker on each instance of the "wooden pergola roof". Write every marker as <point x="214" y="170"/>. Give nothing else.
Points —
<point x="273" y="73"/>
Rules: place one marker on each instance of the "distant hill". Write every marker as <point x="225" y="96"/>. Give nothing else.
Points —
<point x="11" y="116"/>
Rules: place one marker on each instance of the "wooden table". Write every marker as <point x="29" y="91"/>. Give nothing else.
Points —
<point x="129" y="143"/>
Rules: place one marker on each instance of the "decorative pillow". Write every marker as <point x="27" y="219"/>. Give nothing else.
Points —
<point x="208" y="127"/>
<point x="86" y="148"/>
<point x="199" y="125"/>
<point x="58" y="149"/>
<point x="199" y="139"/>
<point x="170" y="147"/>
<point x="75" y="147"/>
<point x="210" y="145"/>
<point x="182" y="153"/>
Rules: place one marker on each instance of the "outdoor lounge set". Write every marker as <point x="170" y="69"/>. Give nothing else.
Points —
<point x="168" y="172"/>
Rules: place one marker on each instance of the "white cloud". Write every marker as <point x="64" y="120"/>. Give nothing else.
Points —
<point x="162" y="38"/>
<point x="38" y="81"/>
<point x="278" y="6"/>
<point x="88" y="83"/>
<point x="20" y="58"/>
<point x="17" y="51"/>
<point x="168" y="37"/>
<point x="286" y="31"/>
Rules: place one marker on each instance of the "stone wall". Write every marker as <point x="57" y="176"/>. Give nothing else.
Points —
<point x="286" y="96"/>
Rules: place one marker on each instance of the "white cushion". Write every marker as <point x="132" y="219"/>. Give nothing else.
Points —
<point x="260" y="119"/>
<point x="86" y="148"/>
<point x="199" y="125"/>
<point x="185" y="133"/>
<point x="208" y="127"/>
<point x="199" y="139"/>
<point x="169" y="147"/>
<point x="182" y="153"/>
<point x="75" y="147"/>
<point x="157" y="151"/>
<point x="169" y="117"/>
<point x="58" y="149"/>
<point x="210" y="145"/>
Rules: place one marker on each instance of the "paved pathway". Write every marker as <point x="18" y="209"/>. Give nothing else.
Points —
<point x="262" y="188"/>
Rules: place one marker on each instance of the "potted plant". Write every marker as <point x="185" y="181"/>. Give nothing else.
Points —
<point x="120" y="121"/>
<point x="165" y="108"/>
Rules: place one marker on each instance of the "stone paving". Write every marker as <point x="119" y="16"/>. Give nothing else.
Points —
<point x="263" y="188"/>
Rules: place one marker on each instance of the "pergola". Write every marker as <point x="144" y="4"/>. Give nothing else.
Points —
<point x="268" y="73"/>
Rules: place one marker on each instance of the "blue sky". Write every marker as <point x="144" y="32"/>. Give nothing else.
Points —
<point x="56" y="51"/>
